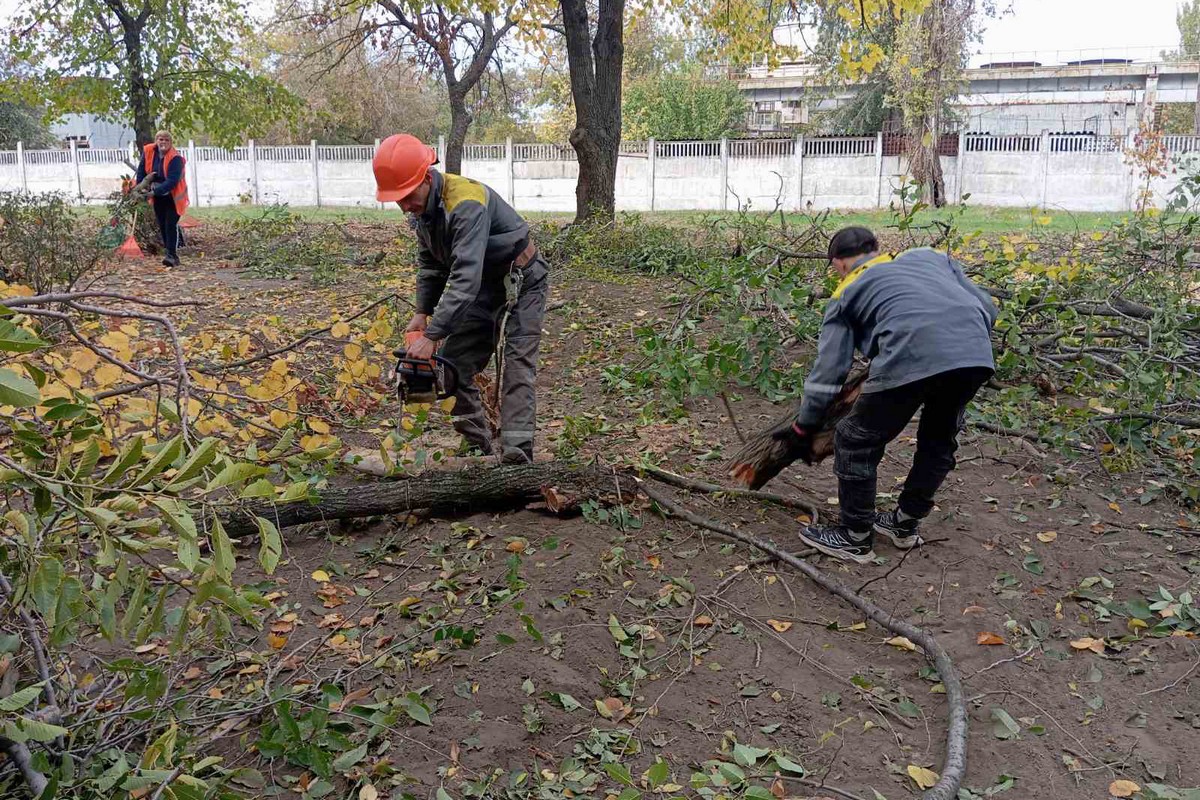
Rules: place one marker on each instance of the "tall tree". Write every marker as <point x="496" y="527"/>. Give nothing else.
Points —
<point x="457" y="40"/>
<point x="595" y="58"/>
<point x="1187" y="18"/>
<point x="683" y="105"/>
<point x="925" y="71"/>
<point x="174" y="63"/>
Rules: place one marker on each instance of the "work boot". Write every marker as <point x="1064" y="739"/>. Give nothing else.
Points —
<point x="840" y="542"/>
<point x="170" y="260"/>
<point x="515" y="455"/>
<point x="902" y="532"/>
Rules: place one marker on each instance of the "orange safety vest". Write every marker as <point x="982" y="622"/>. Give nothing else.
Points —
<point x="180" y="192"/>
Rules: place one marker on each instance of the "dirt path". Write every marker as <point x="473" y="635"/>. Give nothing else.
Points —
<point x="525" y="655"/>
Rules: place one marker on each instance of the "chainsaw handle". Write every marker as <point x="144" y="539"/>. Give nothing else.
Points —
<point x="450" y="373"/>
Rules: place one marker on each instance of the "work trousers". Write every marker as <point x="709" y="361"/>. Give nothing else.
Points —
<point x="879" y="417"/>
<point x="472" y="346"/>
<point x="168" y="223"/>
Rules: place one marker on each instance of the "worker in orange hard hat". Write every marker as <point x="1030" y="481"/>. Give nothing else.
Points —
<point x="481" y="289"/>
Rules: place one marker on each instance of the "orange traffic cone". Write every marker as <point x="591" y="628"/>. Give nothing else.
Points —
<point x="129" y="248"/>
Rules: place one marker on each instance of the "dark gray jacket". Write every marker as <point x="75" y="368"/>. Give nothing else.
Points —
<point x="467" y="238"/>
<point x="914" y="315"/>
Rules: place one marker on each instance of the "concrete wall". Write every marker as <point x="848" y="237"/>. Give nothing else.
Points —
<point x="1083" y="175"/>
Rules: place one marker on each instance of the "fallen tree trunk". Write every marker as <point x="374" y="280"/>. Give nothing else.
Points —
<point x="475" y="489"/>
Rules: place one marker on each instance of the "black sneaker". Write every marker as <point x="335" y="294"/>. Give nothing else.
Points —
<point x="170" y="260"/>
<point x="903" y="533"/>
<point x="837" y="541"/>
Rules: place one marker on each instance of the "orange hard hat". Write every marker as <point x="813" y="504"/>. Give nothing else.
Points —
<point x="401" y="163"/>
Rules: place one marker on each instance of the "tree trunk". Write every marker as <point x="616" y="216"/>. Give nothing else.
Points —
<point x="139" y="88"/>
<point x="926" y="165"/>
<point x="466" y="490"/>
<point x="460" y="121"/>
<point x="595" y="66"/>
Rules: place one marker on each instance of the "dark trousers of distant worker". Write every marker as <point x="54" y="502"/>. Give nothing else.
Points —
<point x="879" y="417"/>
<point x="472" y="345"/>
<point x="168" y="224"/>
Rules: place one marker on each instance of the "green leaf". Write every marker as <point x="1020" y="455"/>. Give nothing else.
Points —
<point x="258" y="489"/>
<point x="415" y="708"/>
<point x="759" y="793"/>
<point x="200" y="458"/>
<point x="1004" y="726"/>
<point x="87" y="461"/>
<point x="16" y="390"/>
<point x="181" y="522"/>
<point x="564" y="701"/>
<point x="18" y="700"/>
<point x="746" y="755"/>
<point x="224" y="559"/>
<point x="271" y="545"/>
<point x="44" y="587"/>
<point x="787" y="765"/>
<point x="15" y="339"/>
<point x="619" y="773"/>
<point x="33" y="730"/>
<point x="658" y="773"/>
<point x="234" y="473"/>
<point x="131" y="453"/>
<point x="163" y="459"/>
<point x="349" y="758"/>
<point x="614" y="628"/>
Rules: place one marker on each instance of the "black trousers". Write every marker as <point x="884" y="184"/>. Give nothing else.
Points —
<point x="878" y="418"/>
<point x="168" y="223"/>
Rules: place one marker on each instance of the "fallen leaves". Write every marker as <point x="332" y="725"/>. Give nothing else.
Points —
<point x="1123" y="788"/>
<point x="613" y="708"/>
<point x="1046" y="537"/>
<point x="902" y="643"/>
<point x="702" y="621"/>
<point x="988" y="639"/>
<point x="321" y="576"/>
<point x="779" y="626"/>
<point x="923" y="778"/>
<point x="1089" y="643"/>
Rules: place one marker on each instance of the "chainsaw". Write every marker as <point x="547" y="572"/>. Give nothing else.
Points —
<point x="423" y="380"/>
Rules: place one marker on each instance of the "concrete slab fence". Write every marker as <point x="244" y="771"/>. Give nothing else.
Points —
<point x="1055" y="171"/>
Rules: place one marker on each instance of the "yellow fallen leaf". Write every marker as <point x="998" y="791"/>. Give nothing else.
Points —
<point x="702" y="621"/>
<point x="1089" y="643"/>
<point x="779" y="626"/>
<point x="516" y="546"/>
<point x="107" y="375"/>
<point x="903" y="643"/>
<point x="1136" y="624"/>
<point x="340" y="330"/>
<point x="1046" y="537"/>
<point x="276" y="641"/>
<point x="321" y="576"/>
<point x="858" y="626"/>
<point x="924" y="778"/>
<point x="318" y="425"/>
<point x="1123" y="788"/>
<point x="368" y="792"/>
<point x="1115" y="507"/>
<point x="988" y="638"/>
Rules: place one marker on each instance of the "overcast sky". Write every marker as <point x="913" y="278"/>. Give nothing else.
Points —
<point x="1049" y="25"/>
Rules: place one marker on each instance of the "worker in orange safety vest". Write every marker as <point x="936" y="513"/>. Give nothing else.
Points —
<point x="168" y="190"/>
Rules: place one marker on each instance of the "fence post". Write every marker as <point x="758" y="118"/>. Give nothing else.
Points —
<point x="373" y="154"/>
<point x="878" y="168"/>
<point x="252" y="154"/>
<point x="312" y="150"/>
<point x="652" y="166"/>
<point x="21" y="166"/>
<point x="1045" y="165"/>
<point x="510" y="181"/>
<point x="798" y="157"/>
<point x="75" y="169"/>
<point x="194" y="183"/>
<point x="1131" y="169"/>
<point x="441" y="151"/>
<point x="724" y="173"/>
<point x="958" y="164"/>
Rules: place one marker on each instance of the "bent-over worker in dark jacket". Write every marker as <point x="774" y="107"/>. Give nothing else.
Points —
<point x="926" y="329"/>
<point x="474" y="256"/>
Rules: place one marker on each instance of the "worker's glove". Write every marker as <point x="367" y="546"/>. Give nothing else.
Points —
<point x="799" y="441"/>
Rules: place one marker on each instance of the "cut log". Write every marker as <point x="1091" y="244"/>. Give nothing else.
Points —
<point x="475" y="489"/>
<point x="763" y="456"/>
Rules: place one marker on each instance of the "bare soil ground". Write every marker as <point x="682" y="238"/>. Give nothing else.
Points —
<point x="512" y="631"/>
